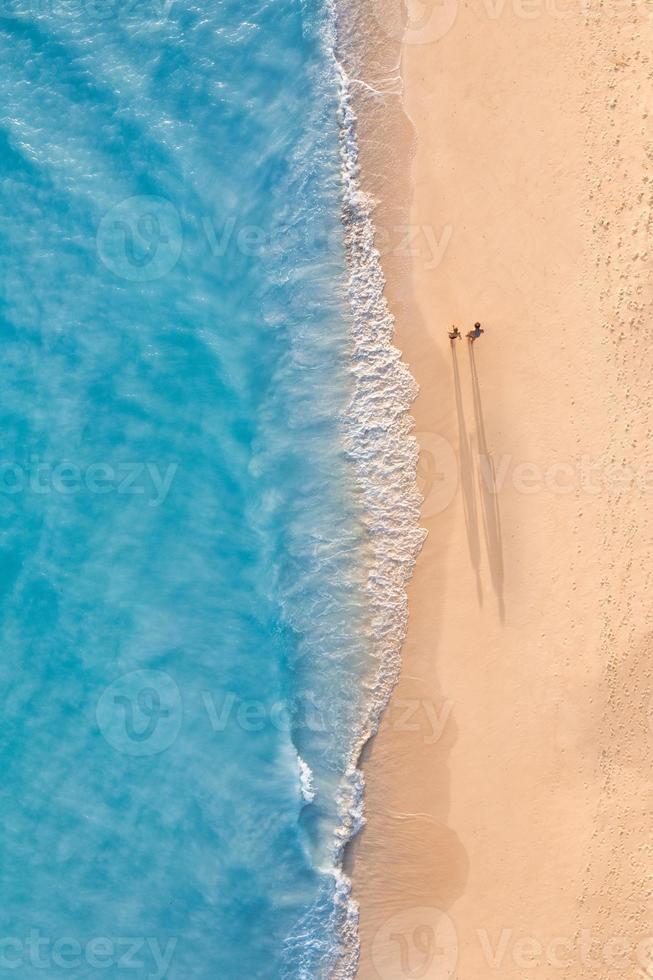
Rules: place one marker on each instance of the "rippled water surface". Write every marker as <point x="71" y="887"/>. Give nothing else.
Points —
<point x="184" y="623"/>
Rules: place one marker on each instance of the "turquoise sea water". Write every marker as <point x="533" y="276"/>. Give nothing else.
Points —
<point x="187" y="630"/>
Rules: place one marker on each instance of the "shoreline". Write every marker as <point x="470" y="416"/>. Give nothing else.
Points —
<point x="379" y="441"/>
<point x="506" y="788"/>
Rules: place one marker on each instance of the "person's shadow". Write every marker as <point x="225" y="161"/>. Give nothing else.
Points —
<point x="467" y="479"/>
<point x="488" y="493"/>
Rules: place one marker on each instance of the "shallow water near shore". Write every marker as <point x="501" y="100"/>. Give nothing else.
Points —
<point x="192" y="648"/>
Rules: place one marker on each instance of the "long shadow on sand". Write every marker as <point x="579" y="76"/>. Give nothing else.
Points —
<point x="467" y="479"/>
<point x="488" y="493"/>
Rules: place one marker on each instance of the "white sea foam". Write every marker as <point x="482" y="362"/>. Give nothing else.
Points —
<point x="306" y="784"/>
<point x="379" y="440"/>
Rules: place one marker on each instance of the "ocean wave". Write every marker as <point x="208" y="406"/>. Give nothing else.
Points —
<point x="384" y="451"/>
<point x="306" y="783"/>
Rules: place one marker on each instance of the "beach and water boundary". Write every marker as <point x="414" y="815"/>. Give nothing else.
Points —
<point x="506" y="797"/>
<point x="192" y="588"/>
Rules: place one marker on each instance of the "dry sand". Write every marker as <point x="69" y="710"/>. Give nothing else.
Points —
<point x="509" y="794"/>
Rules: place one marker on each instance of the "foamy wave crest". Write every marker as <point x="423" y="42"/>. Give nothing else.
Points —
<point x="306" y="784"/>
<point x="379" y="439"/>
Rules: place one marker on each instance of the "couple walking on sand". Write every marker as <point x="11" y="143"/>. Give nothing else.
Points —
<point x="473" y="335"/>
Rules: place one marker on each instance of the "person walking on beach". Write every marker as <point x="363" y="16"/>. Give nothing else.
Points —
<point x="475" y="333"/>
<point x="455" y="334"/>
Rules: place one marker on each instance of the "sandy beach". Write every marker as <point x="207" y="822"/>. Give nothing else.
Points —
<point x="508" y="790"/>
